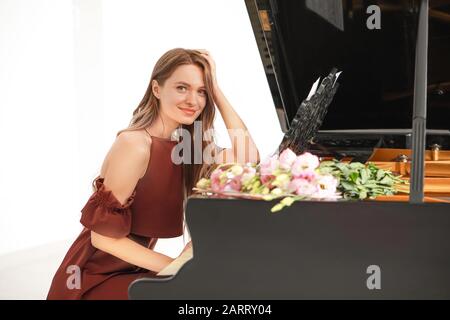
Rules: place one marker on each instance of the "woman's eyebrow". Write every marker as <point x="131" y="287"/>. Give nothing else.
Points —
<point x="187" y="84"/>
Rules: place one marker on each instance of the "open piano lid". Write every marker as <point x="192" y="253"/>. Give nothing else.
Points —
<point x="300" y="41"/>
<point x="396" y="72"/>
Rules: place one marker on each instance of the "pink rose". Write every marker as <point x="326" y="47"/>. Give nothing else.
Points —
<point x="267" y="180"/>
<point x="302" y="187"/>
<point x="309" y="176"/>
<point x="287" y="158"/>
<point x="233" y="184"/>
<point x="215" y="180"/>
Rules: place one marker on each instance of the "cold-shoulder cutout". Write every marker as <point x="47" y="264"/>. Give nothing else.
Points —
<point x="104" y="214"/>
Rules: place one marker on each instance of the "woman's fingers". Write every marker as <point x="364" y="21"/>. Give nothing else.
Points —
<point x="212" y="64"/>
<point x="203" y="51"/>
<point x="206" y="54"/>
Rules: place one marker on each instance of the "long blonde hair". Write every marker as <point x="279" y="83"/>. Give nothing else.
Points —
<point x="148" y="109"/>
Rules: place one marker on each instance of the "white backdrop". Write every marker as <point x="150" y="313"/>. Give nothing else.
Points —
<point x="72" y="72"/>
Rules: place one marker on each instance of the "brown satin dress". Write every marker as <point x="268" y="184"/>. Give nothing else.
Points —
<point x="154" y="210"/>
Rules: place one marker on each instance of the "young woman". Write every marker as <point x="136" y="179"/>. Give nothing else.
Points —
<point x="140" y="193"/>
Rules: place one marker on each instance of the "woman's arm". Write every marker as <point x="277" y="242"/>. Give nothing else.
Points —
<point x="126" y="164"/>
<point x="131" y="252"/>
<point x="243" y="147"/>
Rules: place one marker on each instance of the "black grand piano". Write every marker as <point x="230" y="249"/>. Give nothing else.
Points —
<point x="335" y="250"/>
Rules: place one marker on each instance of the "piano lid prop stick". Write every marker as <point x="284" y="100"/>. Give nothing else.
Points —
<point x="420" y="107"/>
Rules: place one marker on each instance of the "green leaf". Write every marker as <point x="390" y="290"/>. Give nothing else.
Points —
<point x="325" y="164"/>
<point x="348" y="186"/>
<point x="365" y="175"/>
<point x="356" y="165"/>
<point x="354" y="176"/>
<point x="380" y="174"/>
<point x="341" y="166"/>
<point x="361" y="187"/>
<point x="326" y="170"/>
<point x="387" y="181"/>
<point x="363" y="195"/>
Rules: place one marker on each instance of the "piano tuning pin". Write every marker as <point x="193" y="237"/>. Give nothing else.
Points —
<point x="402" y="161"/>
<point x="435" y="147"/>
<point x="402" y="158"/>
<point x="435" y="152"/>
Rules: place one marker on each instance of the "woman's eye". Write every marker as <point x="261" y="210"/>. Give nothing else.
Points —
<point x="202" y="92"/>
<point x="181" y="88"/>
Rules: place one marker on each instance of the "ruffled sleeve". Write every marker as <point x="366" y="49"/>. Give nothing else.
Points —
<point x="104" y="214"/>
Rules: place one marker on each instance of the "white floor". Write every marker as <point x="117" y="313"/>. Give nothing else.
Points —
<point x="27" y="274"/>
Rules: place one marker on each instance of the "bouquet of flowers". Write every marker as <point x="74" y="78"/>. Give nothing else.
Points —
<point x="294" y="178"/>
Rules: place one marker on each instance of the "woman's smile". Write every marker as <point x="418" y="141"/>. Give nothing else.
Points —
<point x="188" y="111"/>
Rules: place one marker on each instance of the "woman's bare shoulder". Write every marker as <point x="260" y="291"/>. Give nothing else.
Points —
<point x="137" y="139"/>
<point x="132" y="147"/>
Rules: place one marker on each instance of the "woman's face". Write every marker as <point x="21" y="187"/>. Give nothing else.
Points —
<point x="183" y="96"/>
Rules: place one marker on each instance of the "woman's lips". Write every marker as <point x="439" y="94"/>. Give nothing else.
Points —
<point x="187" y="111"/>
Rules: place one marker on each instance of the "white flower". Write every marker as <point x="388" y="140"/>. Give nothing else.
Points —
<point x="305" y="162"/>
<point x="326" y="187"/>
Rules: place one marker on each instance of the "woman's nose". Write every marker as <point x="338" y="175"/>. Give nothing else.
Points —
<point x="191" y="98"/>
